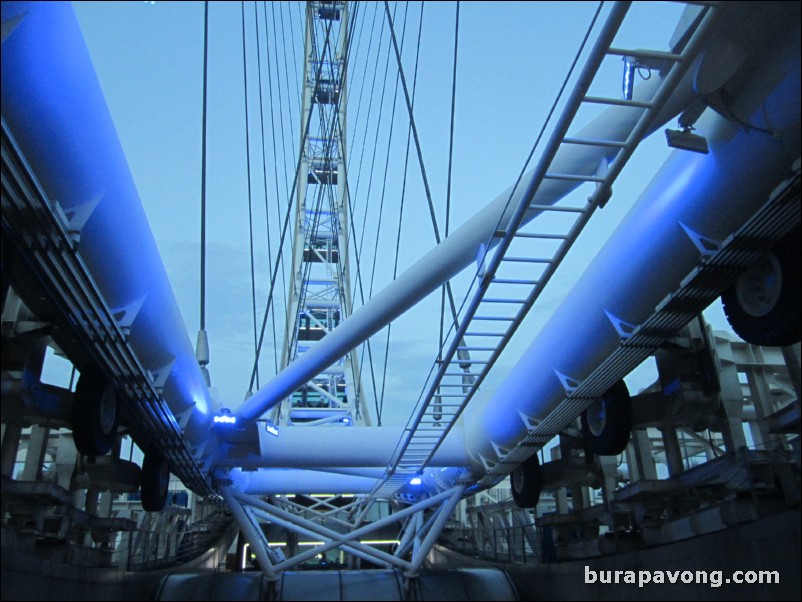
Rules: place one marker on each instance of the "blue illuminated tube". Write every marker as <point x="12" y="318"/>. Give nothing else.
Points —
<point x="53" y="104"/>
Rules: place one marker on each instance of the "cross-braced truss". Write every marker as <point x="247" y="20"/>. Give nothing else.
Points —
<point x="342" y="527"/>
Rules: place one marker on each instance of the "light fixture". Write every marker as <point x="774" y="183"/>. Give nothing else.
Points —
<point x="628" y="83"/>
<point x="224" y="417"/>
<point x="685" y="139"/>
<point x="415" y="481"/>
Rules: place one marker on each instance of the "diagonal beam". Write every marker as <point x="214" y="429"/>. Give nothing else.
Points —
<point x="248" y="510"/>
<point x="332" y="540"/>
<point x="253" y="532"/>
<point x="443" y="513"/>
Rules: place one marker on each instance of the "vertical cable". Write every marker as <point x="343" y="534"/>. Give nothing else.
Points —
<point x="203" y="168"/>
<point x="448" y="185"/>
<point x="250" y="203"/>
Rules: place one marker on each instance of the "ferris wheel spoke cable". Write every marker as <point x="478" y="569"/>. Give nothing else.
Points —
<point x="425" y="178"/>
<point x="450" y="163"/>
<point x="401" y="210"/>
<point x="277" y="263"/>
<point x="250" y="200"/>
<point x="264" y="170"/>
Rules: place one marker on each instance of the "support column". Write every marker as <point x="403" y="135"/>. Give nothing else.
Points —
<point x="35" y="456"/>
<point x="672" y="450"/>
<point x="12" y="432"/>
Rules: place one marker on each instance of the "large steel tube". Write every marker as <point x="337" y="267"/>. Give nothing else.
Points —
<point x="357" y="446"/>
<point x="54" y="106"/>
<point x="752" y="148"/>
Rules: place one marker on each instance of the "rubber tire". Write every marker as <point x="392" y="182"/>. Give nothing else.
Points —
<point x="612" y="438"/>
<point x="526" y="482"/>
<point x="155" y="483"/>
<point x="94" y="428"/>
<point x="782" y="325"/>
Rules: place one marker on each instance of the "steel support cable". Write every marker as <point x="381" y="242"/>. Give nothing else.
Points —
<point x="401" y="211"/>
<point x="362" y="86"/>
<point x="355" y="17"/>
<point x="292" y="37"/>
<point x="277" y="262"/>
<point x="356" y="121"/>
<point x="358" y="249"/>
<point x="450" y="158"/>
<point x="337" y="125"/>
<point x="278" y="195"/>
<point x="329" y="124"/>
<point x="281" y="102"/>
<point x="286" y="70"/>
<point x="284" y="228"/>
<point x="387" y="164"/>
<point x="203" y="167"/>
<point x="346" y="183"/>
<point x="381" y="209"/>
<point x="353" y="199"/>
<point x="264" y="168"/>
<point x="419" y="151"/>
<point x="372" y="172"/>
<point x="250" y="201"/>
<point x="273" y="129"/>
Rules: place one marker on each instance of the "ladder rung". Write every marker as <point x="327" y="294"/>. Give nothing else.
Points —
<point x="556" y="208"/>
<point x="476" y="348"/>
<point x="493" y="319"/>
<point x="540" y="236"/>
<point x="528" y="259"/>
<point x="462" y="374"/>
<point x="485" y="334"/>
<point x="645" y="54"/>
<point x="572" y="177"/>
<point x="440" y="396"/>
<point x="619" y="102"/>
<point x="461" y="362"/>
<point x="502" y="301"/>
<point x="594" y="142"/>
<point x="512" y="281"/>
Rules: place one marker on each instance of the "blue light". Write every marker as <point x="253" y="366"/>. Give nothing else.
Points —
<point x="629" y="77"/>
<point x="346" y="420"/>
<point x="225" y="419"/>
<point x="415" y="481"/>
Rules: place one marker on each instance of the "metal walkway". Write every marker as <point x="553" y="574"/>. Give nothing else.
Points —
<point x="485" y="326"/>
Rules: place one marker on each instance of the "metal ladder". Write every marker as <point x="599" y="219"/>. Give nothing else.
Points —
<point x="486" y="326"/>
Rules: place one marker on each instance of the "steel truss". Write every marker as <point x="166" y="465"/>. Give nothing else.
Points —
<point x="421" y="524"/>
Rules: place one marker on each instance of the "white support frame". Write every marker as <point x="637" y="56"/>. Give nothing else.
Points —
<point x="419" y="532"/>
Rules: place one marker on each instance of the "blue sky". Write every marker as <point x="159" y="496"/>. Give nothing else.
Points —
<point x="512" y="59"/>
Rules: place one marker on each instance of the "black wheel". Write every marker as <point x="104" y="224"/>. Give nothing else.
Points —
<point x="527" y="481"/>
<point x="95" y="413"/>
<point x="155" y="481"/>
<point x="607" y="422"/>
<point x="762" y="306"/>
